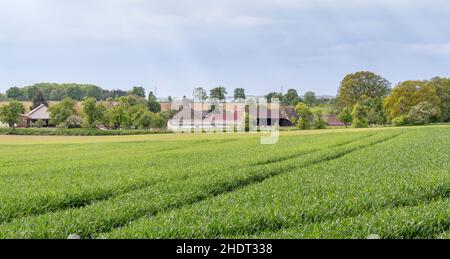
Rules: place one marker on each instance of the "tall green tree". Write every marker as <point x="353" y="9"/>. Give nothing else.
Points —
<point x="357" y="87"/>
<point x="442" y="86"/>
<point x="319" y="122"/>
<point x="218" y="93"/>
<point x="158" y="122"/>
<point x="118" y="115"/>
<point x="11" y="113"/>
<point x="239" y="94"/>
<point x="146" y="119"/>
<point x="153" y="104"/>
<point x="345" y="116"/>
<point x="310" y="98"/>
<point x="359" y="115"/>
<point x="57" y="94"/>
<point x="152" y="97"/>
<point x="59" y="113"/>
<point x="74" y="92"/>
<point x="31" y="92"/>
<point x="200" y="94"/>
<point x="39" y="99"/>
<point x="15" y="93"/>
<point x="291" y="98"/>
<point x="375" y="112"/>
<point x="138" y="91"/>
<point x="135" y="113"/>
<point x="93" y="91"/>
<point x="274" y="95"/>
<point x="92" y="111"/>
<point x="306" y="117"/>
<point x="409" y="94"/>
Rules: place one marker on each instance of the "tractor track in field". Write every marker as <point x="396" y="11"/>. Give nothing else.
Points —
<point x="72" y="202"/>
<point x="219" y="188"/>
<point x="268" y="226"/>
<point x="228" y="187"/>
<point x="88" y="198"/>
<point x="307" y="152"/>
<point x="198" y="143"/>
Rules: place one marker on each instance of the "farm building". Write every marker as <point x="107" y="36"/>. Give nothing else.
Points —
<point x="39" y="113"/>
<point x="229" y="116"/>
<point x="332" y="120"/>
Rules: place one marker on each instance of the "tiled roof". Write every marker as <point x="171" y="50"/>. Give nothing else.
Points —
<point x="40" y="112"/>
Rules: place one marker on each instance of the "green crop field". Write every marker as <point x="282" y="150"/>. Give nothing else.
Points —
<point x="392" y="182"/>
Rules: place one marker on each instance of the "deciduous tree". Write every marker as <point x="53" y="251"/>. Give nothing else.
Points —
<point x="218" y="93"/>
<point x="357" y="87"/>
<point x="38" y="100"/>
<point x="15" y="93"/>
<point x="345" y="116"/>
<point x="239" y="94"/>
<point x="359" y="115"/>
<point x="11" y="113"/>
<point x="310" y="98"/>
<point x="291" y="98"/>
<point x="138" y="91"/>
<point x="409" y="94"/>
<point x="60" y="112"/>
<point x="306" y="117"/>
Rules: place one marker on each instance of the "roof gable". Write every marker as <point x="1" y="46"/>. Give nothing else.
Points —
<point x="40" y="112"/>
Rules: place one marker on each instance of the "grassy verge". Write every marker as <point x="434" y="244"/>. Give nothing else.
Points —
<point x="76" y="132"/>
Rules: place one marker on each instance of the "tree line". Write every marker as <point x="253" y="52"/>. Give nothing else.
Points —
<point x="125" y="112"/>
<point x="57" y="92"/>
<point x="365" y="98"/>
<point x="291" y="98"/>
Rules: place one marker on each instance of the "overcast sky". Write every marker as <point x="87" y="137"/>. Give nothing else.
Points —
<point x="260" y="45"/>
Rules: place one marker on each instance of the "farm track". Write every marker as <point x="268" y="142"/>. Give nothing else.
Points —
<point x="229" y="187"/>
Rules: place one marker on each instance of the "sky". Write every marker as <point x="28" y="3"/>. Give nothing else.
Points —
<point x="174" y="46"/>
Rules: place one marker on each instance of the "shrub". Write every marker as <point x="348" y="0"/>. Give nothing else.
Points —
<point x="39" y="124"/>
<point x="423" y="113"/>
<point x="359" y="115"/>
<point x="74" y="122"/>
<point x="346" y="116"/>
<point x="399" y="121"/>
<point x="306" y="117"/>
<point x="145" y="121"/>
<point x="59" y="113"/>
<point x="319" y="122"/>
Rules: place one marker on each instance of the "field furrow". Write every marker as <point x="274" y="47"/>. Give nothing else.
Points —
<point x="422" y="220"/>
<point x="390" y="182"/>
<point x="336" y="189"/>
<point x="175" y="194"/>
